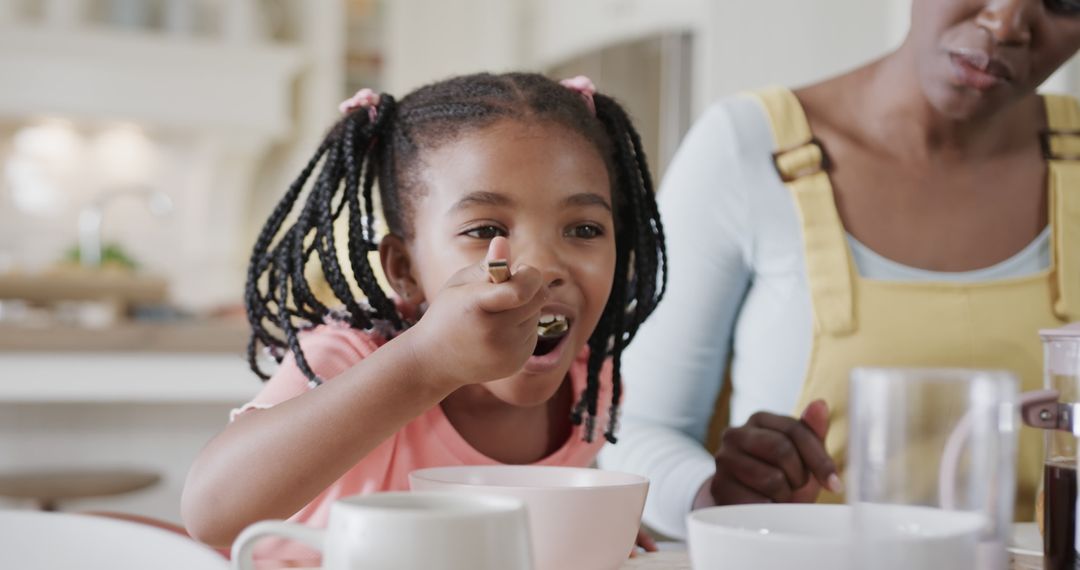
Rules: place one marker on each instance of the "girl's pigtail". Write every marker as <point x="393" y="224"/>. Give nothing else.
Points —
<point x="292" y="241"/>
<point x="640" y="278"/>
<point x="256" y="303"/>
<point x="362" y="225"/>
<point x="277" y="289"/>
<point x="344" y="176"/>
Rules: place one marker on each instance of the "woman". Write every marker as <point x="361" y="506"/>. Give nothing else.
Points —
<point x="911" y="212"/>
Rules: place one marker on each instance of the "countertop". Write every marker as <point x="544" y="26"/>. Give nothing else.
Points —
<point x="189" y="361"/>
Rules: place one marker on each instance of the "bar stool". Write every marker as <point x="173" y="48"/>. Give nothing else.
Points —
<point x="48" y="486"/>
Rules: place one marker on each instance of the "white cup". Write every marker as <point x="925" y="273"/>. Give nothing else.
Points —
<point x="402" y="530"/>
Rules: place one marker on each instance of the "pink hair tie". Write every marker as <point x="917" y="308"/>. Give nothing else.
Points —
<point x="364" y="99"/>
<point x="584" y="86"/>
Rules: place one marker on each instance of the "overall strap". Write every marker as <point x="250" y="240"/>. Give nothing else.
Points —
<point x="1061" y="147"/>
<point x="802" y="164"/>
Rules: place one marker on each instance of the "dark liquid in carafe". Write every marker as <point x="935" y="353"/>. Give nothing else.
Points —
<point x="1059" y="510"/>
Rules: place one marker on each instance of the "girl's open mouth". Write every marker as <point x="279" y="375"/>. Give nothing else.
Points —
<point x="550" y="331"/>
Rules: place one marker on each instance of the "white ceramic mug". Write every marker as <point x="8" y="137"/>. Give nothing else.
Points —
<point x="403" y="530"/>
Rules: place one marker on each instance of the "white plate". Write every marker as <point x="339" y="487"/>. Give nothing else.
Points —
<point x="34" y="540"/>
<point x="1026" y="540"/>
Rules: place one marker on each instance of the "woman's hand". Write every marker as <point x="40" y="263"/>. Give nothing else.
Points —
<point x="478" y="331"/>
<point x="775" y="458"/>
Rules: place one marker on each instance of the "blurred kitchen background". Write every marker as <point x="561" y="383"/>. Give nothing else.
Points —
<point x="142" y="142"/>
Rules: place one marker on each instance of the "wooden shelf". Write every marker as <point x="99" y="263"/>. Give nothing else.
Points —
<point x="84" y="285"/>
<point x="205" y="337"/>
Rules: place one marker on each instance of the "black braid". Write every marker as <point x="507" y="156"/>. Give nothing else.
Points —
<point x="303" y="298"/>
<point x="293" y="240"/>
<point x="639" y="241"/>
<point x="288" y="301"/>
<point x="362" y="227"/>
<point x="322" y="197"/>
<point x="359" y="153"/>
<point x="255" y="303"/>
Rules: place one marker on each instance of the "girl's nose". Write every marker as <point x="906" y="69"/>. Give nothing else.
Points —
<point x="1009" y="22"/>
<point x="547" y="260"/>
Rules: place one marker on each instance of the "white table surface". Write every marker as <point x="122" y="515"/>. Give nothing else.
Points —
<point x="664" y="560"/>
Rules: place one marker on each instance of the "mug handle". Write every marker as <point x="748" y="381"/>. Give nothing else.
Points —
<point x="1038" y="409"/>
<point x="244" y="545"/>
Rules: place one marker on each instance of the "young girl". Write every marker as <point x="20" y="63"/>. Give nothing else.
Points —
<point x="454" y="366"/>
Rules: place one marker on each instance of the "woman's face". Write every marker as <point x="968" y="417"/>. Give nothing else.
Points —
<point x="976" y="56"/>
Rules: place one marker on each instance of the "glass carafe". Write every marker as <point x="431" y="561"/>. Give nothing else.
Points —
<point x="940" y="443"/>
<point x="1061" y="358"/>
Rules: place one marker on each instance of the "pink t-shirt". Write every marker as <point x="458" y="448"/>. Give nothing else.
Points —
<point x="429" y="440"/>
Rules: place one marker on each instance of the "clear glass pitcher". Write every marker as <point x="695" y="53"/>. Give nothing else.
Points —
<point x="942" y="443"/>
<point x="1061" y="361"/>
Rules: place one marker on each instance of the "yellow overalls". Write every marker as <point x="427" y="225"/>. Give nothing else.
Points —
<point x="866" y="322"/>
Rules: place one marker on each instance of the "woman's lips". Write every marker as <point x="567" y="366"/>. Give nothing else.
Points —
<point x="978" y="70"/>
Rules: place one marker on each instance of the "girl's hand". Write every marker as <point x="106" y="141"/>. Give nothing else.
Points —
<point x="477" y="331"/>
<point x="643" y="541"/>
<point x="775" y="459"/>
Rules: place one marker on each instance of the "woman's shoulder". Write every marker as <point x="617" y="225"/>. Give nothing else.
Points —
<point x="727" y="152"/>
<point x="730" y="144"/>
<point x="739" y="126"/>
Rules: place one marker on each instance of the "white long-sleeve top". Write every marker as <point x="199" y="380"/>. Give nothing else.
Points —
<point x="737" y="288"/>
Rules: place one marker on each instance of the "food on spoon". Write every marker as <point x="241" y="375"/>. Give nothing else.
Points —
<point x="551" y="325"/>
<point x="498" y="270"/>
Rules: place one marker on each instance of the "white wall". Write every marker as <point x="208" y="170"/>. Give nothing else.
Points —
<point x="754" y="44"/>
<point x="740" y="44"/>
<point x="319" y="34"/>
<point x="429" y="40"/>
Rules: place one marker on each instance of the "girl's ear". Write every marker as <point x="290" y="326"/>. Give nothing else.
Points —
<point x="397" y="266"/>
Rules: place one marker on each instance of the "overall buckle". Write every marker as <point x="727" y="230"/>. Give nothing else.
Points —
<point x="811" y="164"/>
<point x="1046" y="138"/>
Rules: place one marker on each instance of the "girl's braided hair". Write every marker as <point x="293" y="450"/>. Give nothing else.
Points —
<point x="359" y="151"/>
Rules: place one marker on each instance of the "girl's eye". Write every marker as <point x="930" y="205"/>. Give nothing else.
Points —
<point x="485" y="232"/>
<point x="1063" y="7"/>
<point x="586" y="231"/>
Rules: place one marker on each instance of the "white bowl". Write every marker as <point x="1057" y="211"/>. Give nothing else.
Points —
<point x="785" y="536"/>
<point x="770" y="536"/>
<point x="579" y="518"/>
